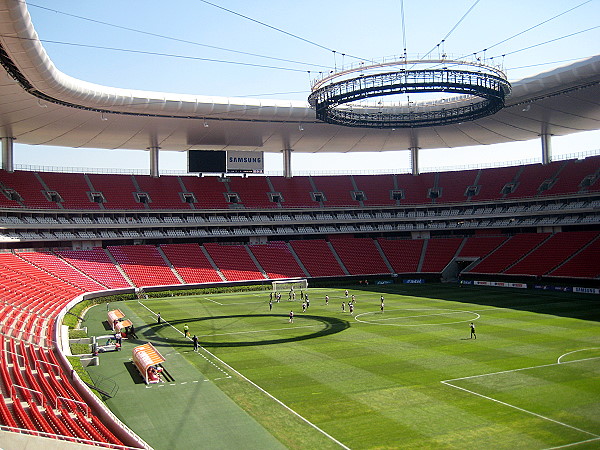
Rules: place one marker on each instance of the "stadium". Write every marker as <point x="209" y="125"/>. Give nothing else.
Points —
<point x="221" y="307"/>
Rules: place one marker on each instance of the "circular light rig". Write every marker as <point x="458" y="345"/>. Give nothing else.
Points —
<point x="340" y="97"/>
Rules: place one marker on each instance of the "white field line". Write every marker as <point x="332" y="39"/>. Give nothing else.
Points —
<point x="377" y="321"/>
<point x="572" y="444"/>
<point x="220" y="369"/>
<point x="245" y="303"/>
<point x="520" y="409"/>
<point x="231" y="369"/>
<point x="278" y="401"/>
<point x="448" y="383"/>
<point x="575" y="351"/>
<point x="258" y="331"/>
<point x="449" y="312"/>
<point x="211" y="300"/>
<point x="520" y="369"/>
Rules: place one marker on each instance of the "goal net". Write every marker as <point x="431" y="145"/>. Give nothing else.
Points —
<point x="297" y="284"/>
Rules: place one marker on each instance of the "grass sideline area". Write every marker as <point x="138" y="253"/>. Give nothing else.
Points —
<point x="409" y="377"/>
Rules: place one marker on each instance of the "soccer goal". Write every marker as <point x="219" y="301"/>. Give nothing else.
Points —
<point x="297" y="284"/>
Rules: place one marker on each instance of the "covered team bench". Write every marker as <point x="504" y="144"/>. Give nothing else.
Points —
<point x="147" y="359"/>
<point x="122" y="327"/>
<point x="114" y="317"/>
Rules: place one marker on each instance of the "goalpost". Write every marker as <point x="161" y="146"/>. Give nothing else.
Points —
<point x="297" y="284"/>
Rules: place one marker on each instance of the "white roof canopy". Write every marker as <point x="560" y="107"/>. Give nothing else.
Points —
<point x="40" y="105"/>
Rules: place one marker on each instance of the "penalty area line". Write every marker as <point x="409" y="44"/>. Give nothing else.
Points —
<point x="521" y="369"/>
<point x="521" y="409"/>
<point x="448" y="383"/>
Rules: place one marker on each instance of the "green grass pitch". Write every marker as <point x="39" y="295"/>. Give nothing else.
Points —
<point x="409" y="377"/>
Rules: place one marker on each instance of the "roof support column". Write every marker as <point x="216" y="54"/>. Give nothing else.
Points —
<point x="7" y="154"/>
<point x="546" y="148"/>
<point x="154" y="161"/>
<point x="287" y="163"/>
<point x="414" y="160"/>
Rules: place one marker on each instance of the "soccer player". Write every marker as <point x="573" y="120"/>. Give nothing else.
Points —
<point x="291" y="316"/>
<point x="158" y="318"/>
<point x="186" y="330"/>
<point x="307" y="301"/>
<point x="351" y="307"/>
<point x="195" y="341"/>
<point x="270" y="305"/>
<point x="327" y="299"/>
<point x="472" y="327"/>
<point x="303" y="306"/>
<point x="343" y="307"/>
<point x="346" y="293"/>
<point x="131" y="332"/>
<point x="353" y="299"/>
<point x="382" y="304"/>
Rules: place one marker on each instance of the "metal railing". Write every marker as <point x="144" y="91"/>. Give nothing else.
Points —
<point x="385" y="171"/>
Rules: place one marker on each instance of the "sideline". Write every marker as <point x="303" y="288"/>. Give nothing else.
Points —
<point x="231" y="369"/>
<point x="220" y="369"/>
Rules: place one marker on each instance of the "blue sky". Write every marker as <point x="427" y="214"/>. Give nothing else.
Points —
<point x="356" y="29"/>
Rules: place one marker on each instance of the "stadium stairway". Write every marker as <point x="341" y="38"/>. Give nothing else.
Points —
<point x="52" y="264"/>
<point x="578" y="265"/>
<point x="528" y="253"/>
<point x="212" y="263"/>
<point x="423" y="254"/>
<point x="317" y="258"/>
<point x="96" y="265"/>
<point x="191" y="263"/>
<point x="512" y="250"/>
<point x="551" y="252"/>
<point x="276" y="260"/>
<point x="298" y="261"/>
<point x="255" y="261"/>
<point x="382" y="254"/>
<point x="170" y="264"/>
<point x="118" y="267"/>
<point x="337" y="258"/>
